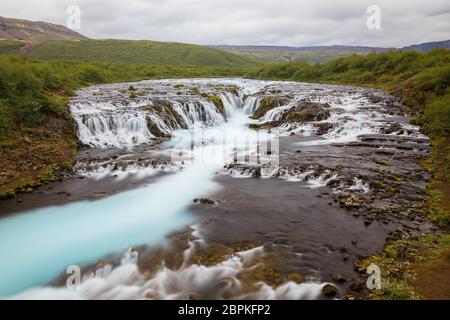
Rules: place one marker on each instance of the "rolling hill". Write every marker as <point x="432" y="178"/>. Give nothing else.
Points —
<point x="47" y="41"/>
<point x="148" y="52"/>
<point x="31" y="31"/>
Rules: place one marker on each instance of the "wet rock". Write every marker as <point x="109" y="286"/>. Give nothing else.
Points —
<point x="268" y="103"/>
<point x="204" y="201"/>
<point x="329" y="291"/>
<point x="307" y="111"/>
<point x="323" y="128"/>
<point x="350" y="200"/>
<point x="296" y="277"/>
<point x="356" y="286"/>
<point x="338" y="278"/>
<point x="381" y="162"/>
<point x="392" y="128"/>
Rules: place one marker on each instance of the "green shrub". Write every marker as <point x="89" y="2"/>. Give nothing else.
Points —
<point x="436" y="117"/>
<point x="92" y="75"/>
<point x="438" y="213"/>
<point x="31" y="91"/>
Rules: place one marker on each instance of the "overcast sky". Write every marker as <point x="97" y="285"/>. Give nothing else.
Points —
<point x="276" y="22"/>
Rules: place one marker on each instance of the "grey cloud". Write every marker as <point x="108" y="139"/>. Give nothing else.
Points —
<point x="283" y="22"/>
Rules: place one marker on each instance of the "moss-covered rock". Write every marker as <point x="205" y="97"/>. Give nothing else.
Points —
<point x="164" y="111"/>
<point x="255" y="126"/>
<point x="7" y="194"/>
<point x="268" y="103"/>
<point x="218" y="103"/>
<point x="307" y="111"/>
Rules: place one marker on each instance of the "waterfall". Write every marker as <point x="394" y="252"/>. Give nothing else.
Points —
<point x="122" y="125"/>
<point x="231" y="102"/>
<point x="198" y="112"/>
<point x="102" y="125"/>
<point x="250" y="105"/>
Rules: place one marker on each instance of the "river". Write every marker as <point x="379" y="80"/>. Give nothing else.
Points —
<point x="153" y="147"/>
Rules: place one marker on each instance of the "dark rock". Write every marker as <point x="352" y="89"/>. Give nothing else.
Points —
<point x="296" y="277"/>
<point x="329" y="291"/>
<point x="356" y="286"/>
<point x="204" y="201"/>
<point x="338" y="278"/>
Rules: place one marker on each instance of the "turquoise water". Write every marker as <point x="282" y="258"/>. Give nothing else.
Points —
<point x="39" y="245"/>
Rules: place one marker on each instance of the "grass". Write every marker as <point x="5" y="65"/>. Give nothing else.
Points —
<point x="140" y="52"/>
<point x="400" y="261"/>
<point x="438" y="211"/>
<point x="10" y="46"/>
<point x="31" y="90"/>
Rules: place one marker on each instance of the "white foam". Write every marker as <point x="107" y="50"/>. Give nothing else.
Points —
<point x="216" y="282"/>
<point x="359" y="185"/>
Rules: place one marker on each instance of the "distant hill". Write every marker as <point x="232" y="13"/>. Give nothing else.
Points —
<point x="337" y="48"/>
<point x="149" y="52"/>
<point x="315" y="54"/>
<point x="310" y="54"/>
<point x="429" y="46"/>
<point x="32" y="32"/>
<point x="47" y="41"/>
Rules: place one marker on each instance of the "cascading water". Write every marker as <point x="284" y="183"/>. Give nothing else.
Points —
<point x="105" y="124"/>
<point x="205" y="137"/>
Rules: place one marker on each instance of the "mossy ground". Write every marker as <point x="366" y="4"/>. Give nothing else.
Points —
<point x="402" y="264"/>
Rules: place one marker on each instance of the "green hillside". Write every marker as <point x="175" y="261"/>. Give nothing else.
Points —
<point x="10" y="46"/>
<point x="291" y="56"/>
<point x="139" y="52"/>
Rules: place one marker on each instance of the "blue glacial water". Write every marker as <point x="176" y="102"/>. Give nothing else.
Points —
<point x="39" y="245"/>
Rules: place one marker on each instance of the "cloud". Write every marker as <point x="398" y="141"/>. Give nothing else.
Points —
<point x="282" y="22"/>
